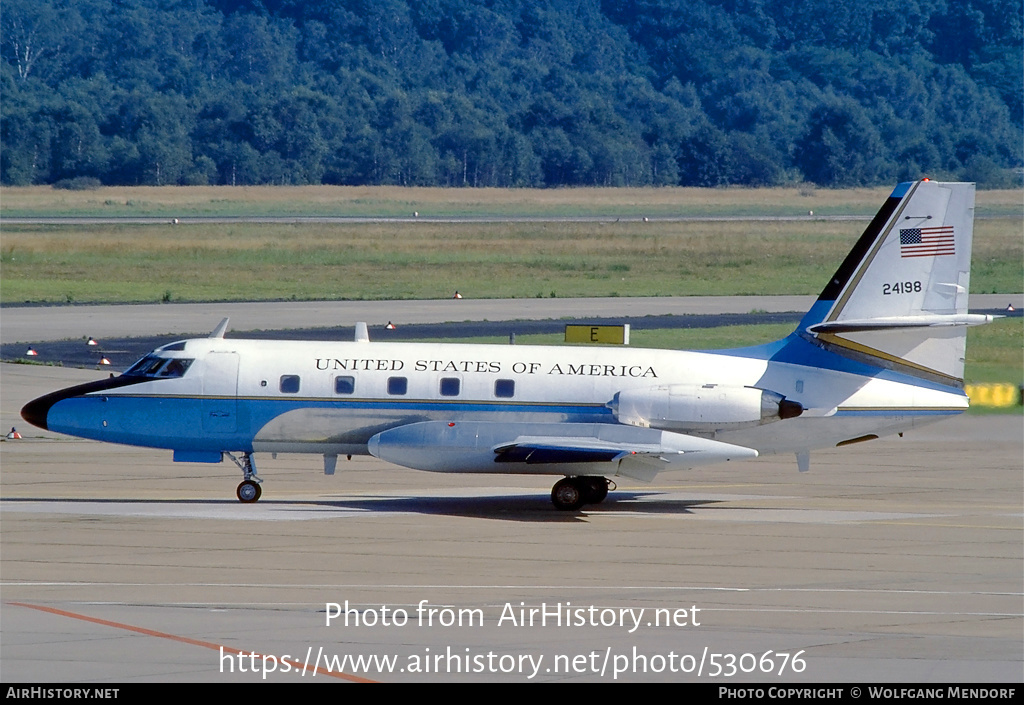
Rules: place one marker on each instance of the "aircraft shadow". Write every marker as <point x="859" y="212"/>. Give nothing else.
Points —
<point x="519" y="508"/>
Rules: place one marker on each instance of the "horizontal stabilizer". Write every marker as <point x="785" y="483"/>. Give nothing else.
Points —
<point x="895" y="322"/>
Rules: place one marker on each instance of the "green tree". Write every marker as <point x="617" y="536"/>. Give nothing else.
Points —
<point x="840" y="146"/>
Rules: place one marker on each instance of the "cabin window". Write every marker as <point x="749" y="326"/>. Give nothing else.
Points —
<point x="505" y="388"/>
<point x="344" y="385"/>
<point x="450" y="386"/>
<point x="289" y="384"/>
<point x="397" y="385"/>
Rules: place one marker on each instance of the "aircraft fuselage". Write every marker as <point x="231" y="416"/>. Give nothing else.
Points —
<point x="332" y="398"/>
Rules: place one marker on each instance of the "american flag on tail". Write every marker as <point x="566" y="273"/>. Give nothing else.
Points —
<point x="927" y="242"/>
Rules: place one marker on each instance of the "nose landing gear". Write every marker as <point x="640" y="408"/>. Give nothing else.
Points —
<point x="249" y="489"/>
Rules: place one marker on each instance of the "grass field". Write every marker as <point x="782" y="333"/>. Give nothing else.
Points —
<point x="424" y="260"/>
<point x="392" y="201"/>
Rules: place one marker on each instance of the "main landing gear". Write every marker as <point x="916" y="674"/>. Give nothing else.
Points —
<point x="249" y="489"/>
<point x="571" y="493"/>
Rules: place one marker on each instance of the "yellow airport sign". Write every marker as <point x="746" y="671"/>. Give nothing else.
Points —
<point x="605" y="335"/>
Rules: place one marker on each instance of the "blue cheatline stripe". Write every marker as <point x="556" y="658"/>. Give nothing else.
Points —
<point x="400" y="405"/>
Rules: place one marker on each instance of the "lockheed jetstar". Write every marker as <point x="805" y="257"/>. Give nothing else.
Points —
<point x="880" y="352"/>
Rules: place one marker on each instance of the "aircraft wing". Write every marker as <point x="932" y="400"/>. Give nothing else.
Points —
<point x="555" y="448"/>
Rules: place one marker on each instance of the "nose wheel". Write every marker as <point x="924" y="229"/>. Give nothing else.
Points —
<point x="248" y="491"/>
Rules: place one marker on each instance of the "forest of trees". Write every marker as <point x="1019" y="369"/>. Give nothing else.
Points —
<point x="510" y="92"/>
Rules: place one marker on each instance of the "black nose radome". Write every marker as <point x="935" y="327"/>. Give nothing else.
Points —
<point x="36" y="411"/>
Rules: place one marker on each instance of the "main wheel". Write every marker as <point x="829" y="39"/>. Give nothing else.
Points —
<point x="596" y="489"/>
<point x="248" y="491"/>
<point x="567" y="494"/>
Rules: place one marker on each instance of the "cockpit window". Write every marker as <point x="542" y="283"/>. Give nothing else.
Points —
<point x="174" y="368"/>
<point x="159" y="367"/>
<point x="145" y="366"/>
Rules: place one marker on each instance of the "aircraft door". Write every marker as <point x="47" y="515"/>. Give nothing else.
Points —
<point x="220" y="392"/>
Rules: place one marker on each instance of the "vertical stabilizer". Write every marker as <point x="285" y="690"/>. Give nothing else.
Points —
<point x="899" y="300"/>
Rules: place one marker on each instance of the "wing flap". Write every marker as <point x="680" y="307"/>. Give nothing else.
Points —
<point x="544" y="453"/>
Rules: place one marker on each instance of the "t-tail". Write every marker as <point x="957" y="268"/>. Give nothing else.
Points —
<point x="899" y="299"/>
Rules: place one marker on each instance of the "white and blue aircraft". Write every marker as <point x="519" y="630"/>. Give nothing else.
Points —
<point x="880" y="352"/>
